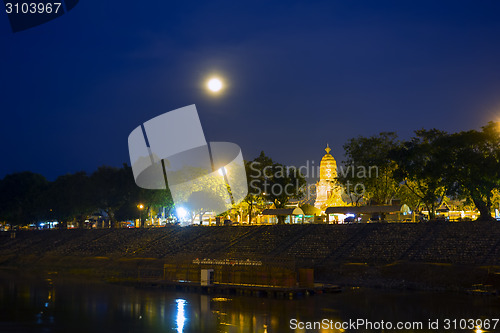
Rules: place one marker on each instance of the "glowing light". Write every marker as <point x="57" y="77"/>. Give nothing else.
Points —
<point x="181" y="318"/>
<point x="222" y="171"/>
<point x="478" y="330"/>
<point x="214" y="84"/>
<point x="181" y="212"/>
<point x="140" y="206"/>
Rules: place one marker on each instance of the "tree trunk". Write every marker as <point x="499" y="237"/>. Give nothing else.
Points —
<point x="430" y="209"/>
<point x="250" y="213"/>
<point x="484" y="210"/>
<point x="112" y="220"/>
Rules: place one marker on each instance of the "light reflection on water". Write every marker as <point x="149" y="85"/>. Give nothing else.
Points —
<point x="181" y="318"/>
<point x="60" y="305"/>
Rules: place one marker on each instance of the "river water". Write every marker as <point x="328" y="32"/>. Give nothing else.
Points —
<point x="53" y="304"/>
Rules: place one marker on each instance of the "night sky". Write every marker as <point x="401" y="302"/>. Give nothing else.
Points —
<point x="299" y="74"/>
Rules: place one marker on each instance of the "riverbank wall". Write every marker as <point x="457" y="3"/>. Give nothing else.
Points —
<point x="433" y="255"/>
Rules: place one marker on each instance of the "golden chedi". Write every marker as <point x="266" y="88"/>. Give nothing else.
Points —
<point x="328" y="193"/>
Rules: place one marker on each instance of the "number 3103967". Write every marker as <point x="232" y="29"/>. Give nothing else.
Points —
<point x="32" y="8"/>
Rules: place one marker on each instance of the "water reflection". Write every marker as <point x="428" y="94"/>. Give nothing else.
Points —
<point x="180" y="315"/>
<point x="40" y="305"/>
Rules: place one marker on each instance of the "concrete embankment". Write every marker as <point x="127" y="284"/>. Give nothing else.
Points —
<point x="435" y="255"/>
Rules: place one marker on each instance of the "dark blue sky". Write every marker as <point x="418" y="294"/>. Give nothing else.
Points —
<point x="300" y="74"/>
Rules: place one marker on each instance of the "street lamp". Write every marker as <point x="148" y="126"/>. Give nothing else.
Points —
<point x="141" y="207"/>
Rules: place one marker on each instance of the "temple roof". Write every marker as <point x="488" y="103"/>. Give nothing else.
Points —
<point x="310" y="210"/>
<point x="327" y="156"/>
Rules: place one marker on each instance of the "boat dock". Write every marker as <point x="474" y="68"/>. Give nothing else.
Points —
<point x="238" y="289"/>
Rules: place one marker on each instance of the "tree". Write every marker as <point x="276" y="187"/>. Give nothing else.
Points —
<point x="255" y="179"/>
<point x="368" y="163"/>
<point x="473" y="165"/>
<point x="19" y="194"/>
<point x="200" y="190"/>
<point x="420" y="167"/>
<point x="112" y="189"/>
<point x="408" y="197"/>
<point x="495" y="199"/>
<point x="69" y="198"/>
<point x="275" y="182"/>
<point x="153" y="199"/>
<point x="200" y="202"/>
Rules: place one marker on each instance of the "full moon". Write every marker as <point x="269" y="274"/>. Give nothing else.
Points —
<point x="214" y="84"/>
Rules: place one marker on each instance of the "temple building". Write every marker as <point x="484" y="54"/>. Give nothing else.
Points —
<point x="328" y="192"/>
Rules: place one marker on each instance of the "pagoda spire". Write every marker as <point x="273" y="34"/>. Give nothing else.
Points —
<point x="327" y="149"/>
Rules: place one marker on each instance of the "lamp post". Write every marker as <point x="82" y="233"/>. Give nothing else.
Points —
<point x="141" y="207"/>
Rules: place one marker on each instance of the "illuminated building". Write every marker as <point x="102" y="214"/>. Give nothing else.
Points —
<point x="328" y="192"/>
